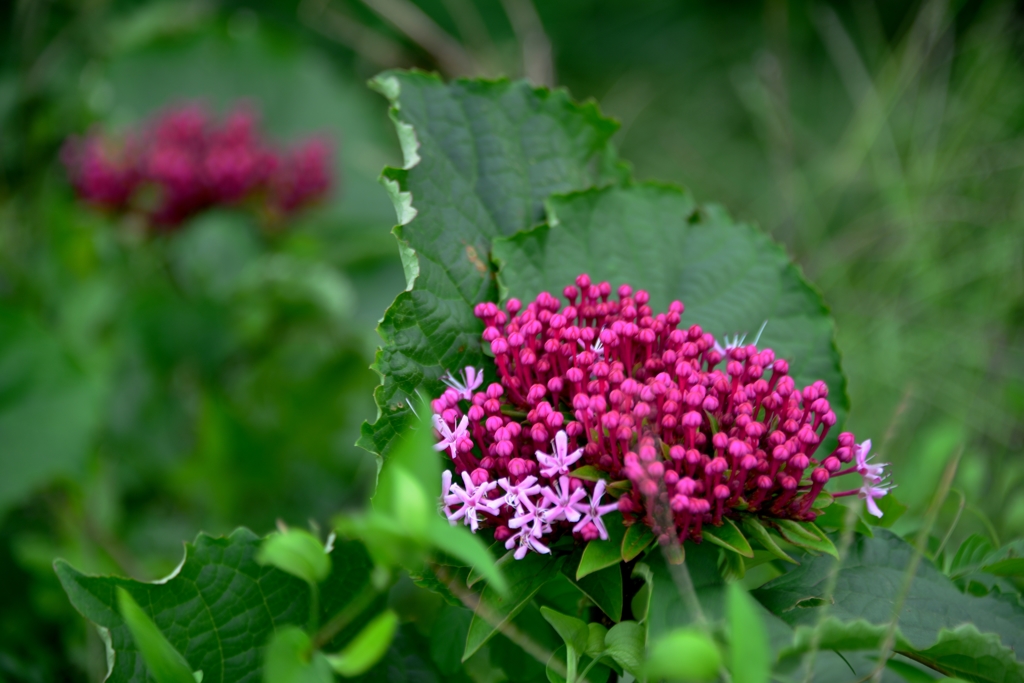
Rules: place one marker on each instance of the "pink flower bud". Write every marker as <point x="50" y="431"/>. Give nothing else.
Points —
<point x="518" y="467"/>
<point x="649" y="488"/>
<point x="716" y="466"/>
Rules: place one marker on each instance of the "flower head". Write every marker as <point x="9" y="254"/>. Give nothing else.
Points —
<point x="700" y="431"/>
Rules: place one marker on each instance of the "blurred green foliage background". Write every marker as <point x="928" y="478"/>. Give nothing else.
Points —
<point x="217" y="377"/>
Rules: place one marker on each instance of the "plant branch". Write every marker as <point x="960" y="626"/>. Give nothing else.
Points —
<point x="424" y="31"/>
<point x="361" y="39"/>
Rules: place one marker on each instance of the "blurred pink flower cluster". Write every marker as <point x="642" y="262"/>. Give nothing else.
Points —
<point x="184" y="162"/>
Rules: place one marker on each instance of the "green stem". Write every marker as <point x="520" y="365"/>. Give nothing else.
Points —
<point x="314" y="607"/>
<point x="586" y="670"/>
<point x="571" y="661"/>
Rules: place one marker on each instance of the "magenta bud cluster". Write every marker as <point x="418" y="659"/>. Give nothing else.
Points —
<point x="184" y="162"/>
<point x="700" y="432"/>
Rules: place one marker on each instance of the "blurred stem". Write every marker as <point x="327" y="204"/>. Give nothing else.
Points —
<point x="533" y="41"/>
<point x="956" y="520"/>
<point x="364" y="598"/>
<point x="920" y="546"/>
<point x="845" y="540"/>
<point x="424" y="31"/>
<point x="361" y="39"/>
<point x="471" y="27"/>
<point x="314" y="607"/>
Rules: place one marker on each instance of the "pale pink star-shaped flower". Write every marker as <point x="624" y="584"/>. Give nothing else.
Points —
<point x="560" y="503"/>
<point x="474" y="499"/>
<point x="872" y="473"/>
<point x="558" y="462"/>
<point x="868" y="493"/>
<point x="450" y="439"/>
<point x="524" y="541"/>
<point x="530" y="516"/>
<point x="472" y="379"/>
<point x="514" y="493"/>
<point x="593" y="511"/>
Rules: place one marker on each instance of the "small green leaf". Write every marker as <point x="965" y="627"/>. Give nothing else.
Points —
<point x="166" y="664"/>
<point x="595" y="638"/>
<point x="641" y="603"/>
<point x="297" y="552"/>
<point x="761" y="535"/>
<point x="823" y="501"/>
<point x="589" y="473"/>
<point x="1006" y="561"/>
<point x="749" y="653"/>
<point x="638" y="536"/>
<point x="806" y="535"/>
<point x="617" y="489"/>
<point x="733" y="566"/>
<point x="600" y="554"/>
<point x="573" y="631"/>
<point x="729" y="537"/>
<point x="367" y="647"/>
<point x="624" y="642"/>
<point x="604" y="587"/>
<point x="970" y="555"/>
<point x="289" y="659"/>
<point x="684" y="654"/>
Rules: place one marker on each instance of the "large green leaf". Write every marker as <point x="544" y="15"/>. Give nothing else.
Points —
<point x="218" y="609"/>
<point x="731" y="276"/>
<point x="938" y="624"/>
<point x="480" y="159"/>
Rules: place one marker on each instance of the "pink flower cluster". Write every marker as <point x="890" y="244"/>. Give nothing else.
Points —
<point x="614" y="386"/>
<point x="183" y="163"/>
